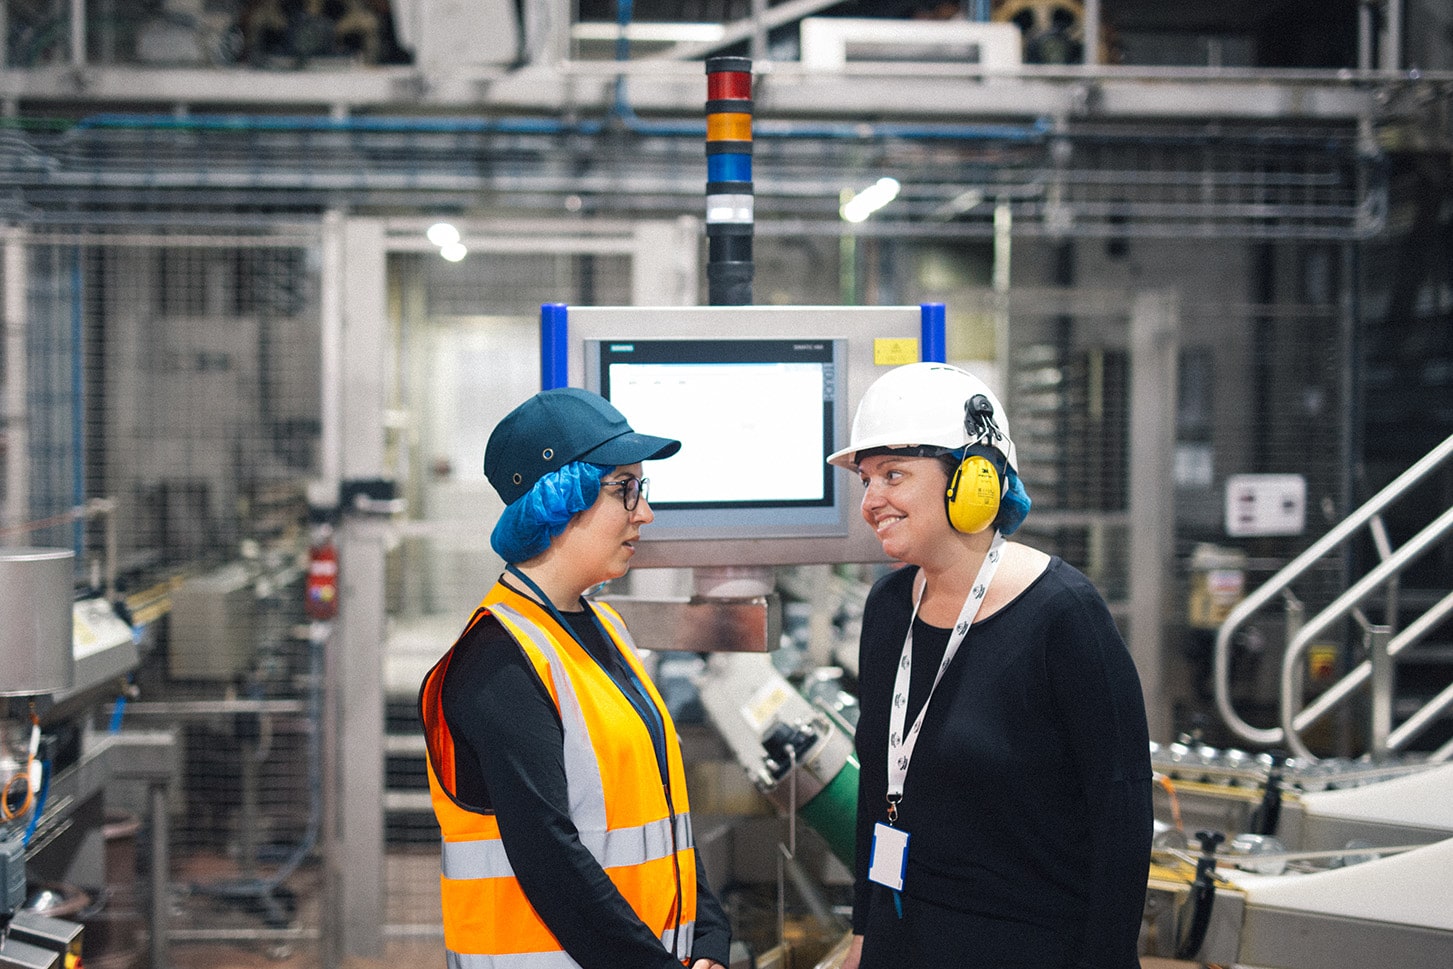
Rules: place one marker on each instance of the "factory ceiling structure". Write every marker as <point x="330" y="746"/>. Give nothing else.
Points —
<point x="1070" y="149"/>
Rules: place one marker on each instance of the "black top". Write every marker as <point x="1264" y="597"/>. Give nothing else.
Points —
<point x="1028" y="797"/>
<point x="509" y="757"/>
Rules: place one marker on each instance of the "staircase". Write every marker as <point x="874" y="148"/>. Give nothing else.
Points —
<point x="414" y="646"/>
<point x="407" y="811"/>
<point x="1400" y="673"/>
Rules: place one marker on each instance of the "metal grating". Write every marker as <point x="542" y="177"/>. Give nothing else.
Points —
<point x="1221" y="180"/>
<point x="178" y="380"/>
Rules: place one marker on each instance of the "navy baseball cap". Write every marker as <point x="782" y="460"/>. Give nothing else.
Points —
<point x="558" y="426"/>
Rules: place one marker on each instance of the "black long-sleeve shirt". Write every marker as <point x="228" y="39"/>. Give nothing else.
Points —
<point x="1028" y="797"/>
<point x="509" y="758"/>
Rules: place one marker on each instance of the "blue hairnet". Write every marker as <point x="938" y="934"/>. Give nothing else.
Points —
<point x="532" y="520"/>
<point x="1014" y="506"/>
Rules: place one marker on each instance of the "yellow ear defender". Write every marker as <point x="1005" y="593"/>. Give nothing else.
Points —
<point x="972" y="499"/>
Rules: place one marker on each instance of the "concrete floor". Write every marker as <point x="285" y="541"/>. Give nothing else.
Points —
<point x="412" y="910"/>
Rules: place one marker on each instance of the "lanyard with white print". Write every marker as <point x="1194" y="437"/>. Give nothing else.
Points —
<point x="900" y="747"/>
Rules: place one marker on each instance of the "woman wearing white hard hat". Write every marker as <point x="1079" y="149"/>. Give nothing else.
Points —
<point x="1004" y="805"/>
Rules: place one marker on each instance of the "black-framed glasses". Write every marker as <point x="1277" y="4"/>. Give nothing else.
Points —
<point x="633" y="489"/>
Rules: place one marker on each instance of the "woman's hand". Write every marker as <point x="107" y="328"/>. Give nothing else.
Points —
<point x="707" y="964"/>
<point x="855" y="953"/>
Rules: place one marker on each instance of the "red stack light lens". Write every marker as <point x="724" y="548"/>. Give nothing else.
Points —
<point x="729" y="86"/>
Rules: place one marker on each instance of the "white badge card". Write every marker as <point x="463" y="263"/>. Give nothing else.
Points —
<point x="889" y="859"/>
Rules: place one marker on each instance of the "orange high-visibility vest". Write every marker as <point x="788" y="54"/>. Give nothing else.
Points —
<point x="639" y="831"/>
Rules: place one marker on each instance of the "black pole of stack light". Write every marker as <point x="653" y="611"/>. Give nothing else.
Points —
<point x="729" y="214"/>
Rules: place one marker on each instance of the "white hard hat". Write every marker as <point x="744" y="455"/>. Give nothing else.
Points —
<point x="927" y="404"/>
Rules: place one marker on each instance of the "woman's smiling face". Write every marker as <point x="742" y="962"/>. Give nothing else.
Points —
<point x="903" y="502"/>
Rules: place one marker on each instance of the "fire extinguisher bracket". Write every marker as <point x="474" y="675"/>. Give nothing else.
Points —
<point x="371" y="496"/>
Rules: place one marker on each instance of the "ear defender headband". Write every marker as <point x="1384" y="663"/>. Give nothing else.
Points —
<point x="974" y="489"/>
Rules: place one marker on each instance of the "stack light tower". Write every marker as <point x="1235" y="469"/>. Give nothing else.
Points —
<point x="729" y="198"/>
<point x="798" y="754"/>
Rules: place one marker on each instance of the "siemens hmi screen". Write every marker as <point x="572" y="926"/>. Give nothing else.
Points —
<point x="756" y="419"/>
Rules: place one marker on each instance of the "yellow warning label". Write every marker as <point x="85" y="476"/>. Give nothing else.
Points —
<point x="1321" y="662"/>
<point x="894" y="351"/>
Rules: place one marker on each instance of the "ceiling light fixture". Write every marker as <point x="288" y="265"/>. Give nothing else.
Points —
<point x="442" y="234"/>
<point x="869" y="200"/>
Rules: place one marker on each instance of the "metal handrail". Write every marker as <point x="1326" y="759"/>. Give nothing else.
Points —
<point x="1279" y="584"/>
<point x="1414" y="724"/>
<point x="1292" y="722"/>
<point x="1360" y="674"/>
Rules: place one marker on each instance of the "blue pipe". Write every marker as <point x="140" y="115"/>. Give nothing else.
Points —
<point x="621" y="112"/>
<point x="38" y="808"/>
<point x="118" y="712"/>
<point x="1038" y="130"/>
<point x="625" y="10"/>
<point x="1035" y="131"/>
<point x="243" y="124"/>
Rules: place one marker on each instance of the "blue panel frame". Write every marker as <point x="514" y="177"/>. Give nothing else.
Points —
<point x="554" y="345"/>
<point x="934" y="340"/>
<point x="555" y="340"/>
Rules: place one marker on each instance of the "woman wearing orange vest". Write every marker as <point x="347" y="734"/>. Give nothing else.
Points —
<point x="554" y="767"/>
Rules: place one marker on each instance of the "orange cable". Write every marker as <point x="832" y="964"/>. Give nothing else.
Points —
<point x="1175" y="801"/>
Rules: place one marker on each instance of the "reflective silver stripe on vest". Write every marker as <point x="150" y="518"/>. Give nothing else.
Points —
<point x="685" y="935"/>
<point x="582" y="771"/>
<point x="515" y="960"/>
<point x="485" y="858"/>
<point x="685" y="940"/>
<point x="684" y="835"/>
<point x="475" y="859"/>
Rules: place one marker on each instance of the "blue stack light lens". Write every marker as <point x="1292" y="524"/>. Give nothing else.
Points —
<point x="729" y="168"/>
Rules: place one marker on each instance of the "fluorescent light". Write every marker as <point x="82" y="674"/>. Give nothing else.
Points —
<point x="674" y="33"/>
<point x="961" y="203"/>
<point x="442" y="234"/>
<point x="870" y="199"/>
<point x="453" y="251"/>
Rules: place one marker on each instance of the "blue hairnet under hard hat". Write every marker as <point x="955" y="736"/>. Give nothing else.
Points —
<point x="1014" y="506"/>
<point x="532" y="520"/>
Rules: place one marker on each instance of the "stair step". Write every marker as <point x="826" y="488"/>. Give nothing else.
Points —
<point x="410" y="802"/>
<point x="400" y="744"/>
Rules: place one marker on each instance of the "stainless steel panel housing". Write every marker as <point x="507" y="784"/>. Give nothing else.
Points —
<point x="35" y="620"/>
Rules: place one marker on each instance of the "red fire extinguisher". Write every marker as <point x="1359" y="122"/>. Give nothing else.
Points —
<point x="321" y="589"/>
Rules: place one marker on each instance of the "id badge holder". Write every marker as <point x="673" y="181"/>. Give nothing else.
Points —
<point x="889" y="859"/>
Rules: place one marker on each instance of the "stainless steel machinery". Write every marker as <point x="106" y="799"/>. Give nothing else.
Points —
<point x="62" y="655"/>
<point x="1331" y="865"/>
